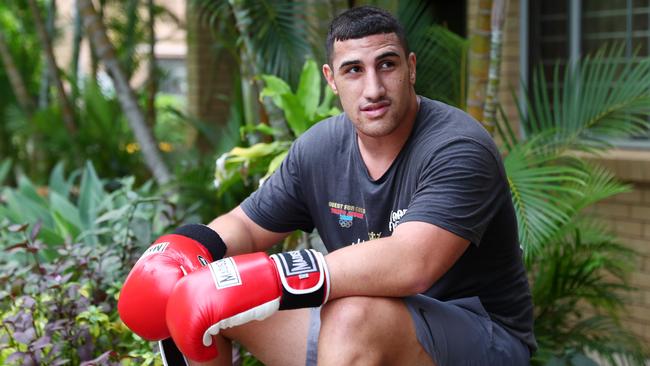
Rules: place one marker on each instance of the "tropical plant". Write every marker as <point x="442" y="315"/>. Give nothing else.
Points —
<point x="301" y="108"/>
<point x="597" y="100"/>
<point x="105" y="50"/>
<point x="578" y="285"/>
<point x="578" y="269"/>
<point x="103" y="136"/>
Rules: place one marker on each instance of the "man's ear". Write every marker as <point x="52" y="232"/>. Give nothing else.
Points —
<point x="329" y="76"/>
<point x="412" y="62"/>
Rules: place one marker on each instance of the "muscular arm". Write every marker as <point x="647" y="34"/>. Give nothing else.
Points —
<point x="406" y="263"/>
<point x="243" y="235"/>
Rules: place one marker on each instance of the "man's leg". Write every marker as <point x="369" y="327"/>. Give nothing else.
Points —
<point x="355" y="330"/>
<point x="368" y="331"/>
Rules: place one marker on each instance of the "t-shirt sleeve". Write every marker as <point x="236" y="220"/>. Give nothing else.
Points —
<point x="459" y="189"/>
<point x="279" y="205"/>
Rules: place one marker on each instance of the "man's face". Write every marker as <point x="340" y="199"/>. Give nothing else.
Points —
<point x="374" y="79"/>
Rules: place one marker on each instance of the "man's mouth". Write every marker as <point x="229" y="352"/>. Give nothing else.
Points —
<point x="375" y="110"/>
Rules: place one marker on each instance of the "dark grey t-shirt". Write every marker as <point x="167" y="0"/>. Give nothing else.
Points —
<point x="449" y="173"/>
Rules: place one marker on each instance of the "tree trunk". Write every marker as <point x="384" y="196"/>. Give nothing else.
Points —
<point x="130" y="41"/>
<point x="152" y="84"/>
<point x="15" y="78"/>
<point x="66" y="108"/>
<point x="491" y="96"/>
<point x="479" y="49"/>
<point x="106" y="53"/>
<point x="76" y="49"/>
<point x="46" y="73"/>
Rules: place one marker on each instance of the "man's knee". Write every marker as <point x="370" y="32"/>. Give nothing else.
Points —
<point x="346" y="315"/>
<point x="368" y="330"/>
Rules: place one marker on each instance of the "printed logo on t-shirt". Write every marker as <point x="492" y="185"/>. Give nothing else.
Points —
<point x="346" y="213"/>
<point x="395" y="216"/>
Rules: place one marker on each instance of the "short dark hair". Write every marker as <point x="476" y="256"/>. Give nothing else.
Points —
<point x="361" y="22"/>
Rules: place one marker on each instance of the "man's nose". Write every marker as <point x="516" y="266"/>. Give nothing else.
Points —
<point x="374" y="86"/>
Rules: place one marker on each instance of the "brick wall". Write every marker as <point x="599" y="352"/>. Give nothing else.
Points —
<point x="627" y="214"/>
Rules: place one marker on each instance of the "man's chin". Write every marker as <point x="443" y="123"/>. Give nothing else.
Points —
<point x="376" y="129"/>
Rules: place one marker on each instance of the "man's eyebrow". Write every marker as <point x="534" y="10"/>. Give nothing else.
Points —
<point x="347" y="63"/>
<point x="382" y="56"/>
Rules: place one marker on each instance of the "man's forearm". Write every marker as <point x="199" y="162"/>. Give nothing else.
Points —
<point x="406" y="263"/>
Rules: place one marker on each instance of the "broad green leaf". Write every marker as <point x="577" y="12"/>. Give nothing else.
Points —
<point x="65" y="209"/>
<point x="275" y="163"/>
<point x="91" y="193"/>
<point x="65" y="228"/>
<point x="309" y="88"/>
<point x="325" y="108"/>
<point x="57" y="182"/>
<point x="27" y="189"/>
<point x="112" y="215"/>
<point x="274" y="88"/>
<point x="26" y="210"/>
<point x="5" y="168"/>
<point x="51" y="236"/>
<point x="263" y="128"/>
<point x="295" y="114"/>
<point x="255" y="151"/>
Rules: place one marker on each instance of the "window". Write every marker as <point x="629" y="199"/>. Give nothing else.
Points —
<point x="562" y="30"/>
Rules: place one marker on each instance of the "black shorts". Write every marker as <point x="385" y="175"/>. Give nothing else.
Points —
<point x="453" y="333"/>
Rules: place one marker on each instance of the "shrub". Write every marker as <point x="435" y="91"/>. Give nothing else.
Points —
<point x="59" y="283"/>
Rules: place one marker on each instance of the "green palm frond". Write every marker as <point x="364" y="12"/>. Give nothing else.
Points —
<point x="601" y="97"/>
<point x="281" y="36"/>
<point x="599" y="185"/>
<point x="540" y="193"/>
<point x="277" y="30"/>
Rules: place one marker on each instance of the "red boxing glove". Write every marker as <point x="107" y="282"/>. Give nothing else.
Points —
<point x="236" y="290"/>
<point x="143" y="299"/>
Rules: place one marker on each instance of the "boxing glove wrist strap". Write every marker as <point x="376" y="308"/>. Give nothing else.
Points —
<point x="304" y="278"/>
<point x="205" y="236"/>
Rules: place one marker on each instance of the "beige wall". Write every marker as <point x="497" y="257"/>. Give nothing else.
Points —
<point x="627" y="214"/>
<point x="170" y="37"/>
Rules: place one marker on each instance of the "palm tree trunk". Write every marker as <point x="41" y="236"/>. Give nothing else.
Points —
<point x="106" y="53"/>
<point x="479" y="49"/>
<point x="66" y="108"/>
<point x="491" y="96"/>
<point x="15" y="78"/>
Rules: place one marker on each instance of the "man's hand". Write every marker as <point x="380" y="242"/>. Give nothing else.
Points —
<point x="236" y="290"/>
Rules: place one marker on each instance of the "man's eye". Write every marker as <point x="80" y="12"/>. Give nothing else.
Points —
<point x="387" y="64"/>
<point x="353" y="70"/>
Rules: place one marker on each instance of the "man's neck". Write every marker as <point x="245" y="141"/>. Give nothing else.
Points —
<point x="378" y="153"/>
